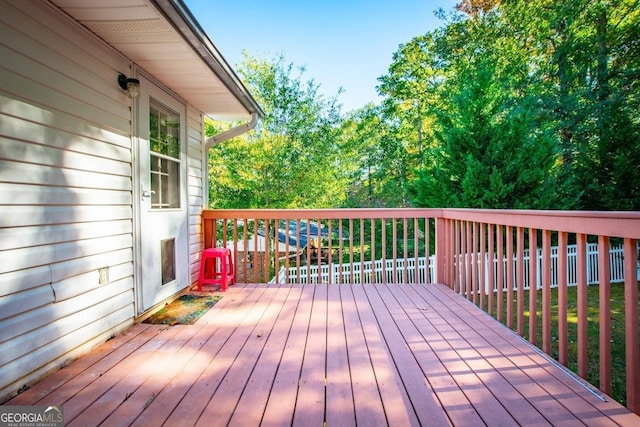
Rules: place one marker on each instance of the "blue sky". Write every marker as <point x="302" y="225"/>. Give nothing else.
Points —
<point x="341" y="43"/>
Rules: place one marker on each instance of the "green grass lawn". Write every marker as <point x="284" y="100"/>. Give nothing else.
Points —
<point x="618" y="369"/>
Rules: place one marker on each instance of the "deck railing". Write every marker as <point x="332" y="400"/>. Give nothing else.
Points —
<point x="379" y="246"/>
<point x="264" y="242"/>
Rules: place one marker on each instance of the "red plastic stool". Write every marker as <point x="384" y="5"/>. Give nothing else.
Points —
<point x="216" y="268"/>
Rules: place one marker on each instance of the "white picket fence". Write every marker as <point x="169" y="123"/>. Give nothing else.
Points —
<point x="616" y="262"/>
<point x="366" y="272"/>
<point x="416" y="272"/>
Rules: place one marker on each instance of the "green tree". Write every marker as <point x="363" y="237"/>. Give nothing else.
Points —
<point x="292" y="159"/>
<point x="485" y="145"/>
<point x="609" y="164"/>
<point x="377" y="158"/>
<point x="585" y="55"/>
<point x="524" y="105"/>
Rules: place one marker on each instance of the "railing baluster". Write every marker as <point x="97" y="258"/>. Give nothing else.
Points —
<point x="342" y="248"/>
<point x="319" y="249"/>
<point x="298" y="248"/>
<point x="308" y="249"/>
<point x="465" y="249"/>
<point x="216" y="231"/>
<point x="265" y="257"/>
<point x="468" y="281"/>
<point x="374" y="275"/>
<point x="234" y="250"/>
<point x="224" y="231"/>
<point x="520" y="279"/>
<point x="416" y="229"/>
<point x="463" y="258"/>
<point x="448" y="275"/>
<point x="583" y="366"/>
<point x="459" y="256"/>
<point x="330" y="255"/>
<point x="490" y="272"/>
<point x="383" y="237"/>
<point x="286" y="261"/>
<point x="563" y="304"/>
<point x="500" y="271"/>
<point x="256" y="255"/>
<point x="442" y="270"/>
<point x="208" y="226"/>
<point x="351" y="272"/>
<point x="457" y="251"/>
<point x="362" y="277"/>
<point x="482" y="280"/>
<point x="533" y="287"/>
<point x="245" y="258"/>
<point x="339" y="257"/>
<point x="604" y="274"/>
<point x="474" y="262"/>
<point x="546" y="291"/>
<point x="394" y="246"/>
<point x="276" y="249"/>
<point x="405" y="251"/>
<point x="510" y="282"/>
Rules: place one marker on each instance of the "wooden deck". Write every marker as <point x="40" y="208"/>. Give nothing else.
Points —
<point x="370" y="355"/>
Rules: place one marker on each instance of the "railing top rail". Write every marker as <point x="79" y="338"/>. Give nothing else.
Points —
<point x="605" y="223"/>
<point x="357" y="213"/>
<point x="552" y="213"/>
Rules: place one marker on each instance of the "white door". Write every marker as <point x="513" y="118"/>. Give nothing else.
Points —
<point x="163" y="246"/>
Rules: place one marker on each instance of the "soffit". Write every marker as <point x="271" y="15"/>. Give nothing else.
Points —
<point x="142" y="33"/>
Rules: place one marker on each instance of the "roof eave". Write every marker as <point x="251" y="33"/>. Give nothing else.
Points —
<point x="176" y="12"/>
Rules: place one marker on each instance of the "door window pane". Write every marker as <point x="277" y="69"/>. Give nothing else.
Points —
<point x="164" y="148"/>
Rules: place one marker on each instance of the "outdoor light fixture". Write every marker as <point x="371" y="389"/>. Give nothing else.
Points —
<point x="131" y="85"/>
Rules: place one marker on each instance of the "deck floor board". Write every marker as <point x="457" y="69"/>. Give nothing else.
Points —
<point x="281" y="401"/>
<point x="339" y="392"/>
<point x="368" y="355"/>
<point x="366" y="396"/>
<point x="251" y="405"/>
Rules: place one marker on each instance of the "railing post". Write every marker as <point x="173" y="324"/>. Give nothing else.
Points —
<point x="631" y="324"/>
<point x="207" y="231"/>
<point x="441" y="250"/>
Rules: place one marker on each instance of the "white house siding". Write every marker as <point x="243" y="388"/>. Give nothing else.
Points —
<point x="195" y="176"/>
<point x="65" y="193"/>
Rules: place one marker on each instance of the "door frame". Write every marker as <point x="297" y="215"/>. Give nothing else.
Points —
<point x="152" y="89"/>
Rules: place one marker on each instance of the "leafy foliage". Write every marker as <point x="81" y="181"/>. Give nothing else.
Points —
<point x="377" y="158"/>
<point x="291" y="159"/>
<point x="523" y="100"/>
<point x="509" y="104"/>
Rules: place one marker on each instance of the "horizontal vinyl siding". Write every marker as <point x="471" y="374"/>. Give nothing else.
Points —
<point x="65" y="193"/>
<point x="40" y="361"/>
<point x="72" y="317"/>
<point x="195" y="140"/>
